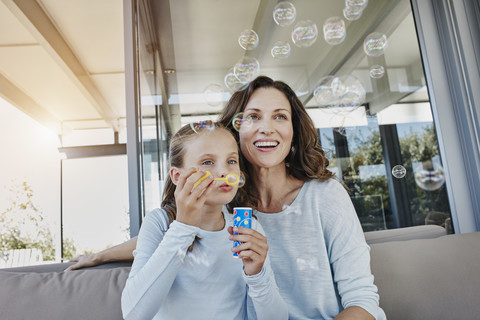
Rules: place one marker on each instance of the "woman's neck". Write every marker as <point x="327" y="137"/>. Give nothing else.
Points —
<point x="276" y="189"/>
<point x="212" y="218"/>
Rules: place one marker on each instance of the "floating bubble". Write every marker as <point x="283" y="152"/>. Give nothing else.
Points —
<point x="352" y="13"/>
<point x="304" y="33"/>
<point x="327" y="92"/>
<point x="284" y="13"/>
<point x="246" y="69"/>
<point x="308" y="264"/>
<point x="231" y="81"/>
<point x="202" y="125"/>
<point x="241" y="180"/>
<point x="375" y="44"/>
<point x="429" y="176"/>
<point x="248" y="39"/>
<point x="281" y="50"/>
<point x="352" y="91"/>
<point x="344" y="91"/>
<point x="356" y="4"/>
<point x="334" y="30"/>
<point x="239" y="122"/>
<point x="213" y="94"/>
<point x="399" y="171"/>
<point x="376" y="71"/>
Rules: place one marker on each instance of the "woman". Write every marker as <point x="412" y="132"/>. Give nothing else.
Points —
<point x="317" y="249"/>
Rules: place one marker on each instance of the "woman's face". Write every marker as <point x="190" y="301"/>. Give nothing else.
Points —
<point x="267" y="142"/>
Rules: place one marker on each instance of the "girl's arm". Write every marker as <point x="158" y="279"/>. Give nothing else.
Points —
<point x="264" y="300"/>
<point x="121" y="252"/>
<point x="158" y="257"/>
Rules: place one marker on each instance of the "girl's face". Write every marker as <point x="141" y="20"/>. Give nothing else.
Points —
<point x="215" y="151"/>
<point x="267" y="142"/>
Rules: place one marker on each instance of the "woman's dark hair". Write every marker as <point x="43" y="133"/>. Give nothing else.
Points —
<point x="307" y="160"/>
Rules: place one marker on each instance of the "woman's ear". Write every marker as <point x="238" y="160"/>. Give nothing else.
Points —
<point x="174" y="175"/>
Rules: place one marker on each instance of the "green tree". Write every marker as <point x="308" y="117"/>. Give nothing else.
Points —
<point x="22" y="225"/>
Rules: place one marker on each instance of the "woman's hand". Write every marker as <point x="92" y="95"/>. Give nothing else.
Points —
<point x="252" y="251"/>
<point x="84" y="261"/>
<point x="191" y="197"/>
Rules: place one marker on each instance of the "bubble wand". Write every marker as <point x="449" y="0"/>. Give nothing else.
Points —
<point x="231" y="179"/>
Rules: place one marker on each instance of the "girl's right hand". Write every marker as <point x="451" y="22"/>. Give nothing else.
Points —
<point x="191" y="199"/>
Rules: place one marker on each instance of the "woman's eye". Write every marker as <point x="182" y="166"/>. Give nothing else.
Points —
<point x="207" y="162"/>
<point x="252" y="117"/>
<point x="281" y="117"/>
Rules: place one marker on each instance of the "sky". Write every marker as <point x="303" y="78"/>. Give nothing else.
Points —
<point x="95" y="190"/>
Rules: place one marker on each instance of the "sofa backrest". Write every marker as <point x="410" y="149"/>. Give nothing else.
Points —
<point x="402" y="234"/>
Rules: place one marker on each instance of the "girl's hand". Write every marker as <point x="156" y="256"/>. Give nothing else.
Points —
<point x="190" y="199"/>
<point x="252" y="251"/>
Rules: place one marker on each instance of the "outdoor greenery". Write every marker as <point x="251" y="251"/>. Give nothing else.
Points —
<point x="416" y="147"/>
<point x="23" y="226"/>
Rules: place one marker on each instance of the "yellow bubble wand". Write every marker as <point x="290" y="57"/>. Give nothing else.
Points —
<point x="231" y="179"/>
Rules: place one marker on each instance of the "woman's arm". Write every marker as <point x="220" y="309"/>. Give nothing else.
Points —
<point x="121" y="252"/>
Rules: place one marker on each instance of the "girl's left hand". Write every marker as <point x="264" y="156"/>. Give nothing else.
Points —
<point x="252" y="251"/>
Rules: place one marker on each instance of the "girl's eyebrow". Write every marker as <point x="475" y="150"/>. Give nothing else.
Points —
<point x="258" y="110"/>
<point x="211" y="155"/>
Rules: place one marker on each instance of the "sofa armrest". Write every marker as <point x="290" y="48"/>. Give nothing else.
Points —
<point x="429" y="278"/>
<point x="79" y="294"/>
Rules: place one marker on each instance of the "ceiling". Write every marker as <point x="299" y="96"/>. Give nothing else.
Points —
<point x="62" y="62"/>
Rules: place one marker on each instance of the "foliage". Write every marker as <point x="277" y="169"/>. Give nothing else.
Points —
<point x="415" y="148"/>
<point x="22" y="226"/>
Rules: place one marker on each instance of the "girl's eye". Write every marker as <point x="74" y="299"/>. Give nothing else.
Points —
<point x="232" y="161"/>
<point x="207" y="162"/>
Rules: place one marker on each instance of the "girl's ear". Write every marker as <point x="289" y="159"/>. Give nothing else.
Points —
<point x="174" y="175"/>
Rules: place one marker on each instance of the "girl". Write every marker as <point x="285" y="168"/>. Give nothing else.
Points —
<point x="184" y="266"/>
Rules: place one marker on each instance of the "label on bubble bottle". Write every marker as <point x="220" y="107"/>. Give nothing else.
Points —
<point x="242" y="217"/>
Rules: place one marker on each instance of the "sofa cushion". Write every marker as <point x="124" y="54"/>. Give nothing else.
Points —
<point x="429" y="278"/>
<point x="83" y="294"/>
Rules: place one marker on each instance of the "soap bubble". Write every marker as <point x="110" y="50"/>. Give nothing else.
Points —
<point x="231" y="81"/>
<point x="304" y="33"/>
<point x="344" y="91"/>
<point x="246" y="69"/>
<point x="399" y="171"/>
<point x="429" y="176"/>
<point x="248" y="39"/>
<point x="284" y="14"/>
<point x="241" y="180"/>
<point x="239" y="122"/>
<point x="352" y="14"/>
<point x="352" y="91"/>
<point x="202" y="125"/>
<point x="376" y="71"/>
<point x="327" y="91"/>
<point x="281" y="50"/>
<point x="375" y="44"/>
<point x="334" y="30"/>
<point x="356" y="4"/>
<point x="213" y="94"/>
